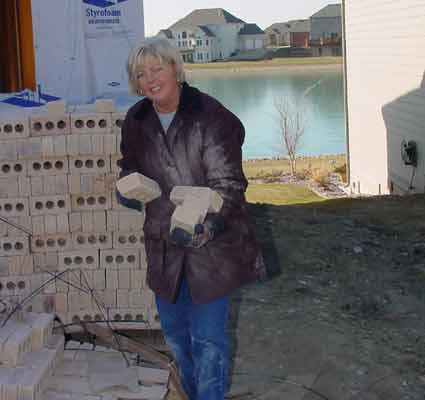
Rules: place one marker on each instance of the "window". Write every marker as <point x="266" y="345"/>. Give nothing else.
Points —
<point x="184" y="35"/>
<point x="206" y="42"/>
<point x="179" y="43"/>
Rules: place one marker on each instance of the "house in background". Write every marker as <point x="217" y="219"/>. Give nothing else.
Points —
<point x="213" y="34"/>
<point x="295" y="33"/>
<point x="385" y="95"/>
<point x="326" y="31"/>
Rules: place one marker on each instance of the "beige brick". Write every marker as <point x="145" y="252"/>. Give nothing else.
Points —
<point x="62" y="223"/>
<point x="98" y="144"/>
<point x="85" y="146"/>
<point x="99" y="221"/>
<point x="24" y="185"/>
<point x="50" y="124"/>
<point x="49" y="243"/>
<point x="9" y="187"/>
<point x="48" y="166"/>
<point x="12" y="168"/>
<point x="124" y="276"/>
<point x="82" y="123"/>
<point x="9" y="149"/>
<point x="78" y="301"/>
<point x="14" y="128"/>
<point x="59" y="146"/>
<point x="122" y="298"/>
<point x="104" y="106"/>
<point x="30" y="148"/>
<point x="138" y="278"/>
<point x="47" y="146"/>
<point x="99" y="240"/>
<point x="74" y="184"/>
<point x="99" y="279"/>
<point x="36" y="183"/>
<point x="117" y="121"/>
<point x="14" y="207"/>
<point x="110" y="144"/>
<point x="61" y="184"/>
<point x="93" y="201"/>
<point x="49" y="187"/>
<point x="56" y="107"/>
<point x="75" y="222"/>
<point x="127" y="240"/>
<point x="21" y="225"/>
<point x="55" y="204"/>
<point x="130" y="221"/>
<point x="17" y="265"/>
<point x="89" y="164"/>
<point x="107" y="298"/>
<point x="79" y="259"/>
<point x="61" y="302"/>
<point x="38" y="226"/>
<point x="138" y="186"/>
<point x="87" y="221"/>
<point x="111" y="279"/>
<point x="72" y="145"/>
<point x="120" y="259"/>
<point x="114" y="166"/>
<point x="45" y="262"/>
<point x="112" y="224"/>
<point x="187" y="215"/>
<point x="50" y="224"/>
<point x="14" y="246"/>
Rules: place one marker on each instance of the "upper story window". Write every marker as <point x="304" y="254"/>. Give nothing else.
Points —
<point x="184" y="35"/>
<point x="206" y="42"/>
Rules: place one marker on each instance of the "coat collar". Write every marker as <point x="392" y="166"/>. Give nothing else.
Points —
<point x="190" y="102"/>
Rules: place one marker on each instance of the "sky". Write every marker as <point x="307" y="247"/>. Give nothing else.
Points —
<point x="161" y="14"/>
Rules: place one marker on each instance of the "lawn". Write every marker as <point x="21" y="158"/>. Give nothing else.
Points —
<point x="280" y="194"/>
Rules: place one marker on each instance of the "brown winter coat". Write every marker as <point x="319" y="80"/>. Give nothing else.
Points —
<point x="201" y="148"/>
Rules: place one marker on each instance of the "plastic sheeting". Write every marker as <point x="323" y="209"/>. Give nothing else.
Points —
<point x="81" y="46"/>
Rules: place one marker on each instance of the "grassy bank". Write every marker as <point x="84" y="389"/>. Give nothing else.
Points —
<point x="264" y="177"/>
<point x="275" y="63"/>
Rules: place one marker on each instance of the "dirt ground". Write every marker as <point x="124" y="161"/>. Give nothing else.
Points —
<point x="343" y="315"/>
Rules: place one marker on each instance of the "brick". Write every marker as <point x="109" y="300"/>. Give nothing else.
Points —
<point x="50" y="124"/>
<point x="78" y="301"/>
<point x="61" y="184"/>
<point x="127" y="240"/>
<point x="197" y="194"/>
<point x="111" y="279"/>
<point x="55" y="204"/>
<point x="21" y="265"/>
<point x="99" y="221"/>
<point x="99" y="240"/>
<point x="62" y="223"/>
<point x="56" y="107"/>
<point x="15" y="345"/>
<point x="14" y="128"/>
<point x="187" y="215"/>
<point x="38" y="226"/>
<point x="41" y="329"/>
<point x="120" y="259"/>
<point x="87" y="221"/>
<point x="79" y="259"/>
<point x="104" y="106"/>
<point x="59" y="146"/>
<point x="15" y="285"/>
<point x="114" y="166"/>
<point x="131" y="220"/>
<point x="24" y="186"/>
<point x="138" y="186"/>
<point x="110" y="144"/>
<point x="138" y="278"/>
<point x="90" y="164"/>
<point x="14" y="246"/>
<point x="45" y="262"/>
<point x="9" y="187"/>
<point x="18" y="226"/>
<point x="49" y="187"/>
<point x="72" y="145"/>
<point x="30" y="148"/>
<point x="50" y="224"/>
<point x="85" y="145"/>
<point x="97" y="143"/>
<point x="47" y="146"/>
<point x="14" y="207"/>
<point x="12" y="168"/>
<point x="61" y="302"/>
<point x="93" y="201"/>
<point x="48" y="166"/>
<point x="108" y="298"/>
<point x="49" y="243"/>
<point x="36" y="186"/>
<point x="124" y="277"/>
<point x="9" y="149"/>
<point x="75" y="222"/>
<point x="117" y="121"/>
<point x="99" y="279"/>
<point x="122" y="299"/>
<point x="82" y="123"/>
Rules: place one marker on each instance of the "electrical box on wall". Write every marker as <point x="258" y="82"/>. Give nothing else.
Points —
<point x="409" y="153"/>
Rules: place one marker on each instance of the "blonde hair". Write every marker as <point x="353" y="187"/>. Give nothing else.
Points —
<point x="161" y="49"/>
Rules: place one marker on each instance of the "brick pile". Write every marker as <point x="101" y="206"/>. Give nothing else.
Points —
<point x="57" y="180"/>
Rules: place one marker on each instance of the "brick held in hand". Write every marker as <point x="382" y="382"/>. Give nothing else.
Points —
<point x="187" y="215"/>
<point x="139" y="187"/>
<point x="204" y="194"/>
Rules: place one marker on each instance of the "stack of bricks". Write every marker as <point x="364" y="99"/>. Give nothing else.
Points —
<point x="29" y="354"/>
<point x="57" y="180"/>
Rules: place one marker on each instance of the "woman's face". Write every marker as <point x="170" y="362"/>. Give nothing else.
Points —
<point x="158" y="82"/>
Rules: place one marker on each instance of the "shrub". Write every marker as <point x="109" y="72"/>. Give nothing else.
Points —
<point x="320" y="176"/>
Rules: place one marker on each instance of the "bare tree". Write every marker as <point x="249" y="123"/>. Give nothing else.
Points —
<point x="292" y="124"/>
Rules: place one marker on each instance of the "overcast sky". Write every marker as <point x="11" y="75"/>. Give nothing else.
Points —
<point x="161" y="14"/>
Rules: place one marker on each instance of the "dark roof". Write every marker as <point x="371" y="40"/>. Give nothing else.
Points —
<point x="207" y="16"/>
<point x="251" y="29"/>
<point x="330" y="11"/>
<point x="206" y="30"/>
<point x="168" y="34"/>
<point x="303" y="25"/>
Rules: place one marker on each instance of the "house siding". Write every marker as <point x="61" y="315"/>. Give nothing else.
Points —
<point x="385" y="93"/>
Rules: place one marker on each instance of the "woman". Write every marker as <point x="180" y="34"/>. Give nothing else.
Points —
<point x="178" y="135"/>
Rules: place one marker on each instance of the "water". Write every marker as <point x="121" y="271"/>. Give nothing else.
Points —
<point x="251" y="96"/>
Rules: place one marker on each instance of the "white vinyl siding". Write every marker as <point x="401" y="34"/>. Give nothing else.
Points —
<point x="385" y="92"/>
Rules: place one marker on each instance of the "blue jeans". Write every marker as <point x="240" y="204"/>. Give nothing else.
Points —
<point x="197" y="337"/>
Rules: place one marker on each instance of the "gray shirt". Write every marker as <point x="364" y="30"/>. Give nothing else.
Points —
<point x="166" y="119"/>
